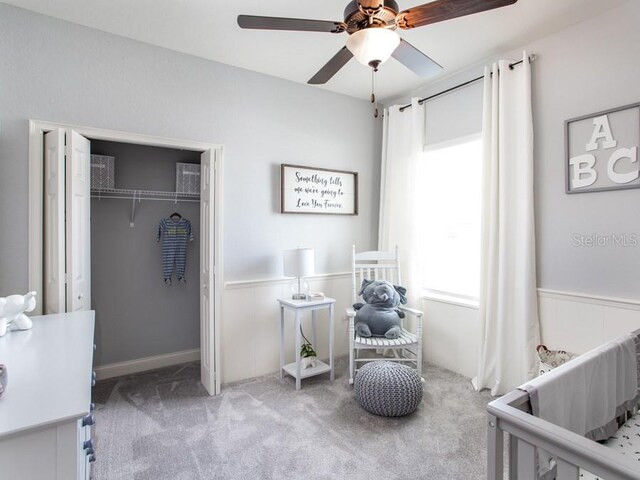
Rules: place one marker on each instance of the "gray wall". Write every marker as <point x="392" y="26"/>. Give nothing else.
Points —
<point x="137" y="315"/>
<point x="57" y="71"/>
<point x="589" y="67"/>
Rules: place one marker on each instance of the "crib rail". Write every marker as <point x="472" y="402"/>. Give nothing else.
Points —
<point x="527" y="433"/>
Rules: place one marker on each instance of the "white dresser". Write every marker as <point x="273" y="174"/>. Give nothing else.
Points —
<point x="45" y="413"/>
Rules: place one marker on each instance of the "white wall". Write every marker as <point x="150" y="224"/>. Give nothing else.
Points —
<point x="57" y="71"/>
<point x="451" y="336"/>
<point x="259" y="354"/>
<point x="578" y="323"/>
<point x="568" y="321"/>
<point x="589" y="67"/>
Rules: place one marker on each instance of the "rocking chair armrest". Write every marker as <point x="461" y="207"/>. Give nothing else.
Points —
<point x="417" y="313"/>
<point x="351" y="314"/>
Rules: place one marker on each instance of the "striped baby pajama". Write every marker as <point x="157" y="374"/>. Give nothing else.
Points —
<point x="175" y="234"/>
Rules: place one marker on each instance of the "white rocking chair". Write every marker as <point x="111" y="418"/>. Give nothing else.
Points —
<point x="407" y="348"/>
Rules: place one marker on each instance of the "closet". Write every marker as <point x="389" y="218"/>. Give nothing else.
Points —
<point x="138" y="314"/>
<point x="97" y="198"/>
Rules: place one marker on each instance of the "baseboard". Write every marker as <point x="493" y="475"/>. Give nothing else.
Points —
<point x="146" y="363"/>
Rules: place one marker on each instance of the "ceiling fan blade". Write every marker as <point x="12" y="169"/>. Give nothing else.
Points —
<point x="338" y="61"/>
<point x="415" y="60"/>
<point x="297" y="24"/>
<point x="441" y="10"/>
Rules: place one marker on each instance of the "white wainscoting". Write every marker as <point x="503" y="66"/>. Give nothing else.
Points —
<point x="451" y="336"/>
<point x="571" y="321"/>
<point x="250" y="341"/>
<point x="250" y="325"/>
<point x="578" y="322"/>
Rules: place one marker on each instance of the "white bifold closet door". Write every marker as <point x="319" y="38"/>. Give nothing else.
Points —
<point x="54" y="294"/>
<point x="79" y="228"/>
<point x="67" y="228"/>
<point x="67" y="237"/>
<point x="207" y="273"/>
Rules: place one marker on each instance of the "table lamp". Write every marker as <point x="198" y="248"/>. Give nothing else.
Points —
<point x="299" y="263"/>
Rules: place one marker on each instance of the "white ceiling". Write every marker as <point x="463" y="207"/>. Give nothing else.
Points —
<point x="208" y="29"/>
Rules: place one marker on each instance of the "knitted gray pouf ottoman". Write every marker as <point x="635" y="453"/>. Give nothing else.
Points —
<point x="388" y="389"/>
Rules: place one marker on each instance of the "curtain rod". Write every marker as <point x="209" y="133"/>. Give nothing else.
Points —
<point x="464" y="84"/>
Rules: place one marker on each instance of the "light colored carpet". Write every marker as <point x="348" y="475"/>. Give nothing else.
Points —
<point x="162" y="425"/>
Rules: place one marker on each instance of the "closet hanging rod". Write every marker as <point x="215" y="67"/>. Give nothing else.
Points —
<point x="532" y="58"/>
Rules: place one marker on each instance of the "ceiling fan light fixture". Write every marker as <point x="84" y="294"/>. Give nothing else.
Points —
<point x="373" y="45"/>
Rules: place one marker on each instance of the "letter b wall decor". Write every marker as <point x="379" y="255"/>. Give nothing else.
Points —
<point x="602" y="150"/>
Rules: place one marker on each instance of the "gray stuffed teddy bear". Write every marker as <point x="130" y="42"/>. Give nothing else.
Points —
<point x="380" y="315"/>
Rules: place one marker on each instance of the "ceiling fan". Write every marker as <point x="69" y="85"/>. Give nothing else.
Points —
<point x="371" y="26"/>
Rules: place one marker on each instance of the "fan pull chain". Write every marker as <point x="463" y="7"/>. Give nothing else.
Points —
<point x="374" y="100"/>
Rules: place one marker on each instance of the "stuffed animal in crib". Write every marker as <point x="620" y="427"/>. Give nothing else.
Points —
<point x="380" y="315"/>
<point x="12" y="310"/>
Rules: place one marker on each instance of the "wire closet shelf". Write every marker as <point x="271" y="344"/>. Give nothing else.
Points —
<point x="139" y="195"/>
<point x="135" y="194"/>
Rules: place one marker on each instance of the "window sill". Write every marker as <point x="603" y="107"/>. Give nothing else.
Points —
<point x="451" y="299"/>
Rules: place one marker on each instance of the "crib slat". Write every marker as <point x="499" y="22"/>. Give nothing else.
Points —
<point x="495" y="447"/>
<point x="513" y="457"/>
<point x="566" y="471"/>
<point x="526" y="461"/>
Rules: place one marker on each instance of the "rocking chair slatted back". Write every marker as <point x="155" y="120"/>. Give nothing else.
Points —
<point x="408" y="348"/>
<point x="373" y="265"/>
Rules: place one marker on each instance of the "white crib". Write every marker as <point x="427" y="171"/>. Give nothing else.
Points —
<point x="573" y="456"/>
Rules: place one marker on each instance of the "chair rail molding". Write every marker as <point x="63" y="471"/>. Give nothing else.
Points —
<point x="262" y="282"/>
<point x="605" y="301"/>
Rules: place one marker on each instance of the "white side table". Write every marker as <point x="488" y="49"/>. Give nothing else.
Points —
<point x="299" y="307"/>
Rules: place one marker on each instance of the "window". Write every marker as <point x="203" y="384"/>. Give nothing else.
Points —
<point x="451" y="175"/>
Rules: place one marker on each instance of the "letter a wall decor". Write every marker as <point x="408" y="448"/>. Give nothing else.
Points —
<point x="602" y="150"/>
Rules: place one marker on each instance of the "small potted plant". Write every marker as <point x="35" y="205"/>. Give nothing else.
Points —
<point x="307" y="353"/>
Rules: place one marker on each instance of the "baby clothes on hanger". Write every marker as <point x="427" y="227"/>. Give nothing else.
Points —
<point x="175" y="232"/>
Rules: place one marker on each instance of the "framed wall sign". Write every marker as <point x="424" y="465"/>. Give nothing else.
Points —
<point x="318" y="190"/>
<point x="602" y="150"/>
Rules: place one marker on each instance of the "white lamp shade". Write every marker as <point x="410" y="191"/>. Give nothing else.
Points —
<point x="373" y="44"/>
<point x="299" y="262"/>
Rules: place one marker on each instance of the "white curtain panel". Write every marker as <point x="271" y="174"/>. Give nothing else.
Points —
<point x="402" y="147"/>
<point x="509" y="329"/>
